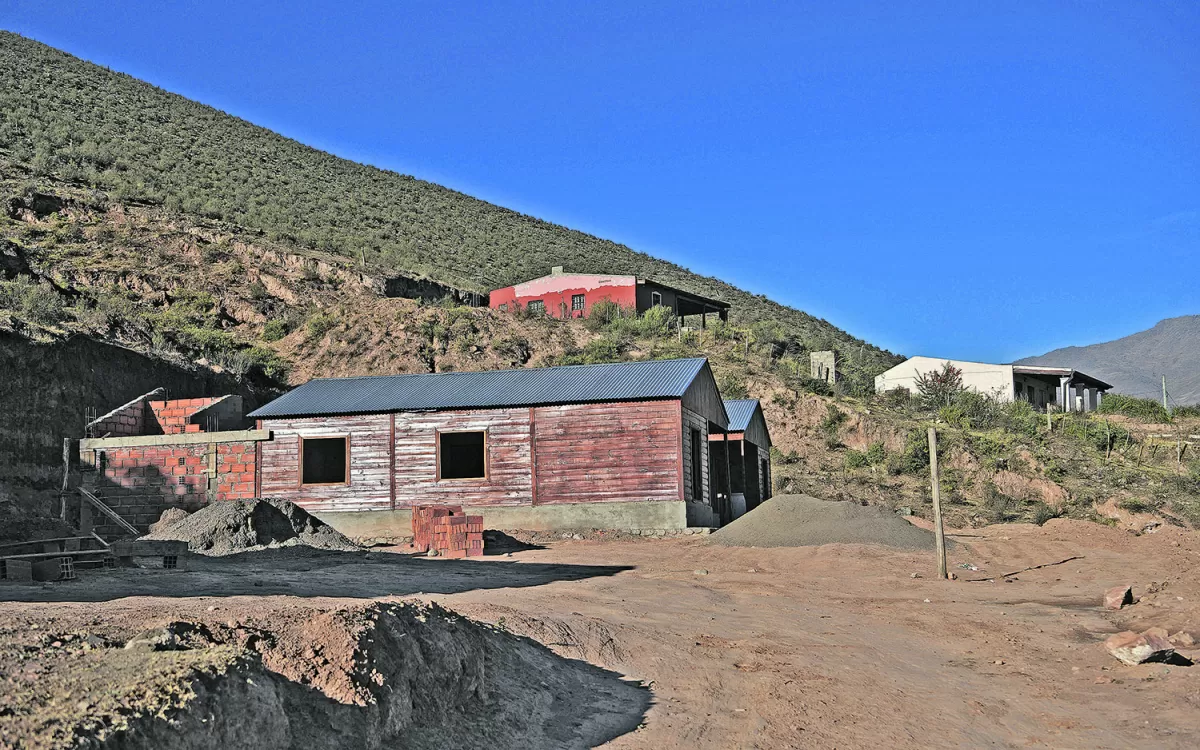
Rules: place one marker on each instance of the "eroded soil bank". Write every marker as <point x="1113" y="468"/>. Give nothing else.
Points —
<point x="275" y="673"/>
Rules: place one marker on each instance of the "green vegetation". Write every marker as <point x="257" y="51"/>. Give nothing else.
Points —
<point x="67" y="118"/>
<point x="1182" y="412"/>
<point x="34" y="302"/>
<point x="1146" y="409"/>
<point x="874" y="455"/>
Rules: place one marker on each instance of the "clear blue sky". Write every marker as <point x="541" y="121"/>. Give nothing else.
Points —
<point x="938" y="178"/>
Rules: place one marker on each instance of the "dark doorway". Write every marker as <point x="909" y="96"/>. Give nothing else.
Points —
<point x="697" y="475"/>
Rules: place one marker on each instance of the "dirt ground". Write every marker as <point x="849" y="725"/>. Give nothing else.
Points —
<point x="836" y="646"/>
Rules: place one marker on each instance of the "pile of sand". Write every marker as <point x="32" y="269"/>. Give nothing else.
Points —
<point x="230" y="526"/>
<point x="803" y="521"/>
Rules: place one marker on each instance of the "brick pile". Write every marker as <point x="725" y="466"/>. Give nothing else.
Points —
<point x="445" y="530"/>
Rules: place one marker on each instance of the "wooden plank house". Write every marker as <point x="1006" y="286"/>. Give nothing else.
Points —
<point x="741" y="458"/>
<point x="622" y="446"/>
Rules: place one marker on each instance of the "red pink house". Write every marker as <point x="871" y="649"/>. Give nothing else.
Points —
<point x="563" y="295"/>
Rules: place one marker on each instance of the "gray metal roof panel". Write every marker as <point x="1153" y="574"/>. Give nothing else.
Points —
<point x="625" y="381"/>
<point x="740" y="412"/>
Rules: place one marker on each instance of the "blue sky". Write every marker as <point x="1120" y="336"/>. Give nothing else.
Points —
<point x="968" y="180"/>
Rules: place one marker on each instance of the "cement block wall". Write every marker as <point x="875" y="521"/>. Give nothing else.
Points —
<point x="823" y="366"/>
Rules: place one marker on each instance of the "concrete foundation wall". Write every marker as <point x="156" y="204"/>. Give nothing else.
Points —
<point x="575" y="517"/>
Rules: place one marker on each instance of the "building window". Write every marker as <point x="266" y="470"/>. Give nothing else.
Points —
<point x="325" y="460"/>
<point x="537" y="306"/>
<point x="577" y="302"/>
<point x="655" y="299"/>
<point x="462" y="455"/>
<point x="503" y="307"/>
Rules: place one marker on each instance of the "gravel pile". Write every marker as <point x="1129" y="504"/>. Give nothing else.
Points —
<point x="230" y="526"/>
<point x="803" y="521"/>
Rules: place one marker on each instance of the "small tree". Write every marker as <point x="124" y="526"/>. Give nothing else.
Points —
<point x="938" y="388"/>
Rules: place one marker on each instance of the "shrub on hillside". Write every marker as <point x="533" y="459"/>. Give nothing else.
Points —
<point x="874" y="455"/>
<point x="515" y="349"/>
<point x="732" y="385"/>
<point x="1184" y="412"/>
<point x="1146" y="409"/>
<point x="938" y="388"/>
<point x="603" y="313"/>
<point x="815" y="385"/>
<point x="914" y="458"/>
<point x="274" y="330"/>
<point x="35" y="302"/>
<point x="319" y="325"/>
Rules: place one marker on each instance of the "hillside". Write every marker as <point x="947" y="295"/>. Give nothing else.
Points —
<point x="64" y="117"/>
<point x="198" y="304"/>
<point x="1135" y="364"/>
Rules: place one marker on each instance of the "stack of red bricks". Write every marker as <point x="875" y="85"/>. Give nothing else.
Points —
<point x="445" y="530"/>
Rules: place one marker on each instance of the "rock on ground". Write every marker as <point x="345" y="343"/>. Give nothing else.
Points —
<point x="1118" y="596"/>
<point x="804" y="521"/>
<point x="1134" y="648"/>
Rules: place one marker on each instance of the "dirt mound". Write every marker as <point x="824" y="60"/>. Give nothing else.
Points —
<point x="169" y="517"/>
<point x="380" y="675"/>
<point x="803" y="521"/>
<point x="231" y="526"/>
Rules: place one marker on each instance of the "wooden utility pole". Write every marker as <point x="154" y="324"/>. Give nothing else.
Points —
<point x="939" y="531"/>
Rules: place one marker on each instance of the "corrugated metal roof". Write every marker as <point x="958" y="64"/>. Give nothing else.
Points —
<point x="572" y="384"/>
<point x="740" y="411"/>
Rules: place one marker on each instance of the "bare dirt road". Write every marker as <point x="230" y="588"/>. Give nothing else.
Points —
<point x="835" y="646"/>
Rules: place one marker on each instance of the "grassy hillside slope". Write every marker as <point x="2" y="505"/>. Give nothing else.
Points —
<point x="208" y="296"/>
<point x="65" y="117"/>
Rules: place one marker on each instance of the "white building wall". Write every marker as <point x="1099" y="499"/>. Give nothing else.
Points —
<point x="993" y="380"/>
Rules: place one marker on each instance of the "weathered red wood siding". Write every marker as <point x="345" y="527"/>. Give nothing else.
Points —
<point x="509" y="478"/>
<point x="369" y="487"/>
<point x="578" y="453"/>
<point x="616" y="452"/>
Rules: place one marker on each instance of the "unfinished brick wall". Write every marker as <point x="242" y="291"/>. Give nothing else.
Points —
<point x="141" y="482"/>
<point x="173" y="416"/>
<point x="127" y="420"/>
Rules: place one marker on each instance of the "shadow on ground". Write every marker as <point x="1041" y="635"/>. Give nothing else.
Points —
<point x="306" y="572"/>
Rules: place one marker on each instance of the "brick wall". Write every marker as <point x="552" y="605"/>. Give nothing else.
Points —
<point x="172" y="416"/>
<point x="141" y="482"/>
<point x="127" y="420"/>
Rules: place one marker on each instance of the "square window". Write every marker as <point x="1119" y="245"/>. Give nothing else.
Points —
<point x="462" y="455"/>
<point x="537" y="306"/>
<point x="577" y="301"/>
<point x="181" y="461"/>
<point x="655" y="299"/>
<point x="324" y="460"/>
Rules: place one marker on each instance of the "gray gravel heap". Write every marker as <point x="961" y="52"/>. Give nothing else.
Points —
<point x="230" y="526"/>
<point x="804" y="521"/>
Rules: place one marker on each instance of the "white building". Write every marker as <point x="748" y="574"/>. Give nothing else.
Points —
<point x="1070" y="389"/>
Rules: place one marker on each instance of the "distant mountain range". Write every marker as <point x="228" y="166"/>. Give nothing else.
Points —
<point x="1136" y="364"/>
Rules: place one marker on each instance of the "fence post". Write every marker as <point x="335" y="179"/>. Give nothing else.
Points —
<point x="939" y="531"/>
